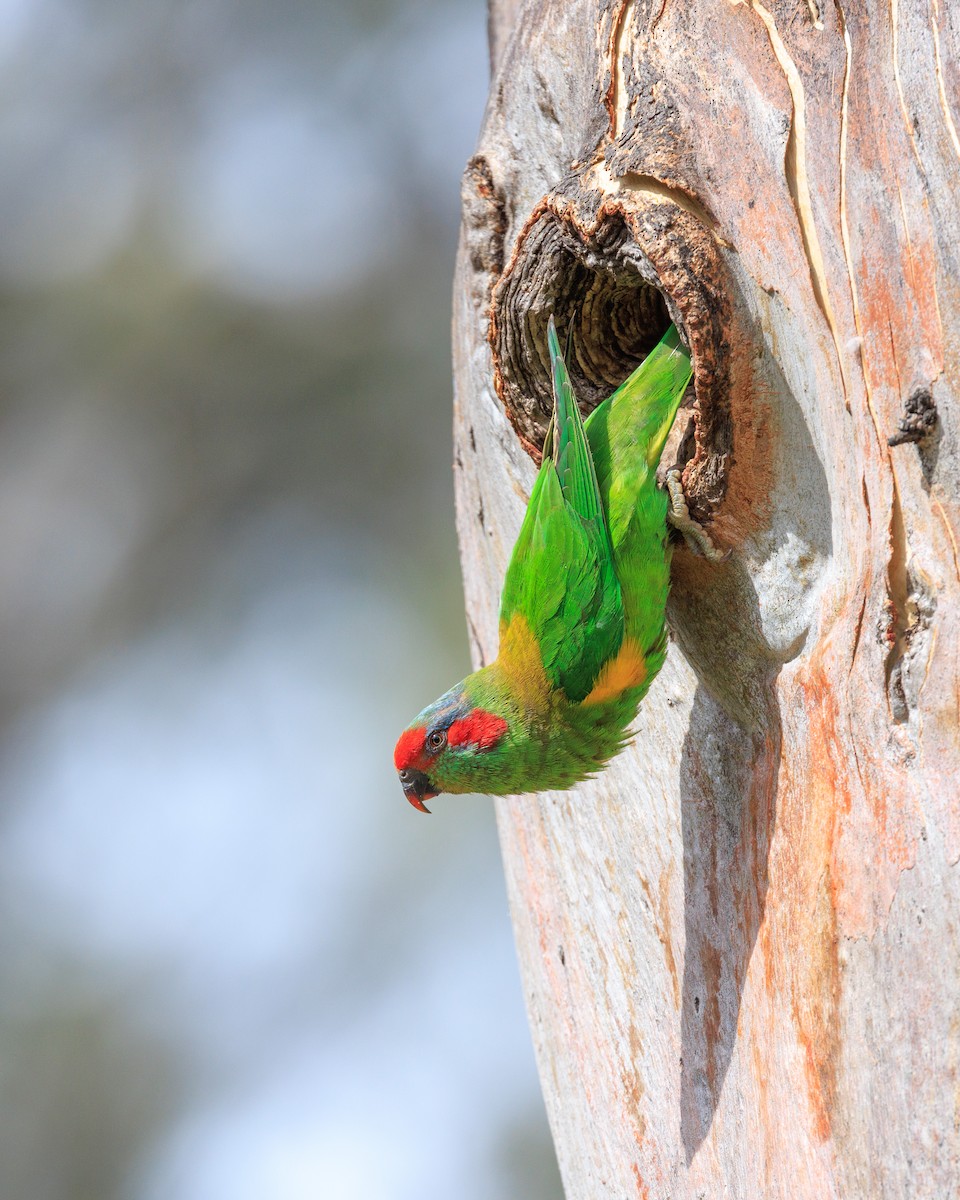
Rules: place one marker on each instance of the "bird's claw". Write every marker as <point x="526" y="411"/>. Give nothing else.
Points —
<point x="678" y="515"/>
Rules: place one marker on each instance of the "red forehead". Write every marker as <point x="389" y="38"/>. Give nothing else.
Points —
<point x="479" y="728"/>
<point x="409" y="748"/>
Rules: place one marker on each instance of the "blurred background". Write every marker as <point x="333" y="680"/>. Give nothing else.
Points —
<point x="236" y="965"/>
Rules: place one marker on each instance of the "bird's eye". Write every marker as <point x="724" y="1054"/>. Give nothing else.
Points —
<point x="437" y="740"/>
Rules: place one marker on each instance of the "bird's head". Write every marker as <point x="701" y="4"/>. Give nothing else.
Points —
<point x="455" y="745"/>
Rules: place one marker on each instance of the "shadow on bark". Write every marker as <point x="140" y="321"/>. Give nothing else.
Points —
<point x="731" y="755"/>
<point x="728" y="786"/>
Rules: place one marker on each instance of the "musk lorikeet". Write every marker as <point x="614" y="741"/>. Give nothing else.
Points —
<point x="582" y="630"/>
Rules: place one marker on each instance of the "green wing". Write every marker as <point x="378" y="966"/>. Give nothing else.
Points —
<point x="626" y="436"/>
<point x="561" y="577"/>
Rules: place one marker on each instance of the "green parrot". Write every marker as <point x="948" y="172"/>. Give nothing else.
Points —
<point x="582" y="630"/>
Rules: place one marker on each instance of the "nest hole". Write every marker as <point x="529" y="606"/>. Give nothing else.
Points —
<point x="608" y="311"/>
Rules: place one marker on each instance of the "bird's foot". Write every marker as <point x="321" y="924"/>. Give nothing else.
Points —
<point x="678" y="515"/>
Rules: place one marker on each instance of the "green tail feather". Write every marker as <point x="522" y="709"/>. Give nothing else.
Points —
<point x="570" y="454"/>
<point x="626" y="435"/>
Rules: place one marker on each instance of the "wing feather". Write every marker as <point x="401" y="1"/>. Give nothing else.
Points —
<point x="561" y="577"/>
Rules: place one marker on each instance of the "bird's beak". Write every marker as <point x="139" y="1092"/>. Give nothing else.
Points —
<point x="416" y="788"/>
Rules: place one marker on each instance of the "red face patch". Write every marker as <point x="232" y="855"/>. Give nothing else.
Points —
<point x="409" y="748"/>
<point x="479" y="728"/>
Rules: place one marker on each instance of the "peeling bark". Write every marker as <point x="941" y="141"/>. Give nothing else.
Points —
<point x="740" y="944"/>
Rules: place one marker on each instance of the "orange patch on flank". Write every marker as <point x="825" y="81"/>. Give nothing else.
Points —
<point x="627" y="670"/>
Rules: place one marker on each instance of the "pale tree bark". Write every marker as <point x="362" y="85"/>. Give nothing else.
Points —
<point x="739" y="945"/>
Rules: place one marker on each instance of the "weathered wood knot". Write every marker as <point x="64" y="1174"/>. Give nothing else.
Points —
<point x="919" y="418"/>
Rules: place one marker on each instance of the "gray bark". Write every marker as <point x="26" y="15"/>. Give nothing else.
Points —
<point x="739" y="945"/>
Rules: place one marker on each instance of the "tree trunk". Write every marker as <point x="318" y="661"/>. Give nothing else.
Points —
<point x="739" y="945"/>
